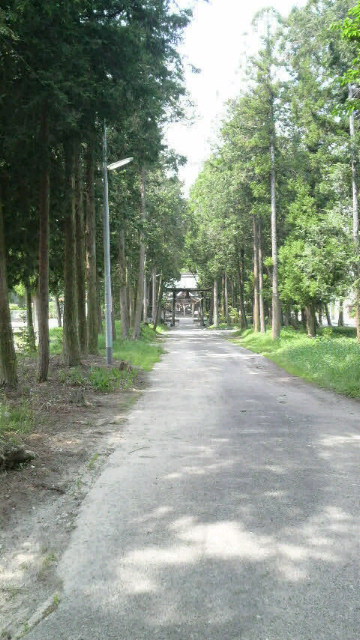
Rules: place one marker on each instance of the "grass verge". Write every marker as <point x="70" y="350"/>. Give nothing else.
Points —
<point x="331" y="360"/>
<point x="143" y="353"/>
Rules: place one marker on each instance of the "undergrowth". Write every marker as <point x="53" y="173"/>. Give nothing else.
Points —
<point x="19" y="419"/>
<point x="99" y="378"/>
<point x="332" y="360"/>
<point x="142" y="353"/>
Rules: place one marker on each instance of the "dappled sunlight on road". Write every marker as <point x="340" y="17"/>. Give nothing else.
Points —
<point x="352" y="439"/>
<point x="289" y="555"/>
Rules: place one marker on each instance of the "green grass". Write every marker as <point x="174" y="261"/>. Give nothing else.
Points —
<point x="331" y="360"/>
<point x="56" y="341"/>
<point x="102" y="379"/>
<point x="16" y="420"/>
<point x="143" y="353"/>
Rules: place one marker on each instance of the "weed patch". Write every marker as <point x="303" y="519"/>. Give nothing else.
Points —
<point x="19" y="419"/>
<point x="102" y="379"/>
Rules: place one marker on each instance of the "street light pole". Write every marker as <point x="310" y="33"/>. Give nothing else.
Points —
<point x="107" y="263"/>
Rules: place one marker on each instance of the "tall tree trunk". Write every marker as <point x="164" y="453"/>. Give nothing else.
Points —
<point x="43" y="292"/>
<point x="222" y="298"/>
<point x="154" y="296"/>
<point x="159" y="296"/>
<point x="140" y="286"/>
<point x="328" y="318"/>
<point x="124" y="307"/>
<point x="216" y="303"/>
<point x="310" y="320"/>
<point x="71" y="335"/>
<point x="256" y="307"/>
<point x="355" y="207"/>
<point x="92" y="297"/>
<point x="303" y="318"/>
<point x="226" y="299"/>
<point x="99" y="312"/>
<point x="243" y="318"/>
<point x="261" y="281"/>
<point x="131" y="303"/>
<point x="320" y="315"/>
<point x="276" y="308"/>
<point x="145" y="304"/>
<point x="58" y="311"/>
<point x="341" y="314"/>
<point x="29" y="319"/>
<point x="80" y="253"/>
<point x="8" y="372"/>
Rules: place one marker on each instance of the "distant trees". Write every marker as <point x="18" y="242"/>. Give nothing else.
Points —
<point x="284" y="173"/>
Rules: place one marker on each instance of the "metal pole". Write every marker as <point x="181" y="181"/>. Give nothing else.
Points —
<point x="108" y="300"/>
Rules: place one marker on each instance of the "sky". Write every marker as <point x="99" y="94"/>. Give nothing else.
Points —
<point x="217" y="42"/>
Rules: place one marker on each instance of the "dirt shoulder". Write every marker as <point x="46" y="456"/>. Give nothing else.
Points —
<point x="39" y="502"/>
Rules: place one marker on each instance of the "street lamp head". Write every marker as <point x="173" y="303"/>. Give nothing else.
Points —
<point x="119" y="163"/>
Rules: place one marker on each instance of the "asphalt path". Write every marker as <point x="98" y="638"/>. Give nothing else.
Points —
<point x="230" y="512"/>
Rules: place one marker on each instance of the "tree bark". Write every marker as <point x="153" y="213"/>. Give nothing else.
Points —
<point x="226" y="299"/>
<point x="261" y="281"/>
<point x="158" y="298"/>
<point x="71" y="349"/>
<point x="154" y="296"/>
<point x="43" y="289"/>
<point x="341" y="314"/>
<point x="303" y="318"/>
<point x="276" y="308"/>
<point x="58" y="311"/>
<point x="91" y="276"/>
<point x="142" y="257"/>
<point x="99" y="312"/>
<point x="355" y="207"/>
<point x="80" y="254"/>
<point x="145" y="304"/>
<point x="243" y="318"/>
<point x="216" y="303"/>
<point x="124" y="308"/>
<point x="29" y="319"/>
<point x="256" y="307"/>
<point x="310" y="320"/>
<point x="328" y="318"/>
<point x="8" y="370"/>
<point x="320" y="315"/>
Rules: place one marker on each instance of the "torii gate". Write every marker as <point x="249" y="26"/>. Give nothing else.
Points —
<point x="187" y="292"/>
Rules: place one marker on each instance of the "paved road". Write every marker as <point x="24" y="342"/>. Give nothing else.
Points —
<point x="230" y="512"/>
